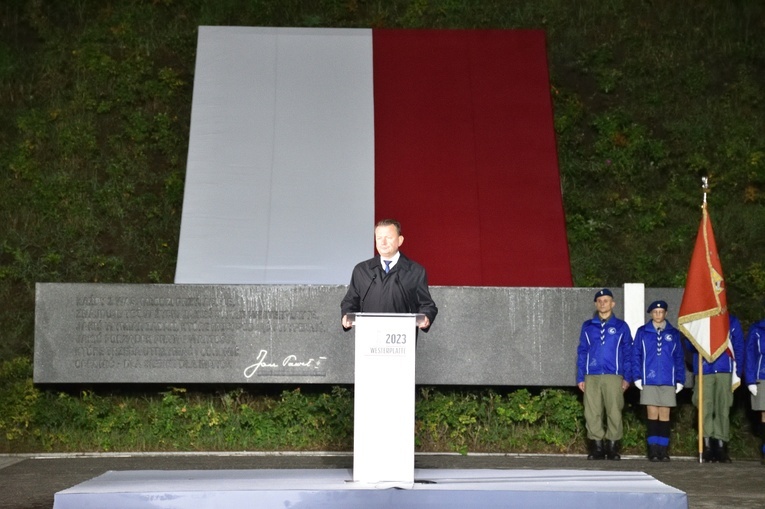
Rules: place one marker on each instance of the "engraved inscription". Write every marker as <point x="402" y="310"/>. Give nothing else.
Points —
<point x="199" y="333"/>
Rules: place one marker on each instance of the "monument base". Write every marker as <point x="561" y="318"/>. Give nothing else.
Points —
<point x="322" y="488"/>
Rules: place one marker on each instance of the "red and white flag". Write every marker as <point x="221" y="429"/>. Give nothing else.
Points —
<point x="302" y="138"/>
<point x="704" y="310"/>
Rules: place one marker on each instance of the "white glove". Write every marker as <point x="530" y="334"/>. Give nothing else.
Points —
<point x="639" y="384"/>
<point x="753" y="389"/>
<point x="679" y="387"/>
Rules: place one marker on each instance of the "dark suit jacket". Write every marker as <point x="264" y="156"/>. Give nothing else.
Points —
<point x="403" y="290"/>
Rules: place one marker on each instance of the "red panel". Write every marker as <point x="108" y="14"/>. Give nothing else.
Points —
<point x="465" y="155"/>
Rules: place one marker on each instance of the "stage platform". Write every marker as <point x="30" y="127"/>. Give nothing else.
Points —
<point x="334" y="488"/>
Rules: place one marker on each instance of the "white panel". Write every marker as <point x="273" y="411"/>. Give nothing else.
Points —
<point x="634" y="306"/>
<point x="280" y="173"/>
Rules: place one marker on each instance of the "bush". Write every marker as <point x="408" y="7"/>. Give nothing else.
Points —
<point x="317" y="418"/>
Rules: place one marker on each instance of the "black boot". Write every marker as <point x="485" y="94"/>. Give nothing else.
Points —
<point x="596" y="450"/>
<point x="664" y="453"/>
<point x="710" y="450"/>
<point x="722" y="452"/>
<point x="653" y="452"/>
<point x="612" y="450"/>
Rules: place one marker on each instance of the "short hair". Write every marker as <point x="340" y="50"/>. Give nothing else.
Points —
<point x="390" y="222"/>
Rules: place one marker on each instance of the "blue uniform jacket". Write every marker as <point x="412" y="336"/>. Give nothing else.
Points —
<point x="755" y="353"/>
<point x="604" y="348"/>
<point x="658" y="357"/>
<point x="724" y="362"/>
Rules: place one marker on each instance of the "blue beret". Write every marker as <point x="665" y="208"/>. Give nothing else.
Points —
<point x="657" y="304"/>
<point x="603" y="292"/>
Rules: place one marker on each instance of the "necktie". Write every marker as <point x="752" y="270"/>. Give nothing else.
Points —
<point x="387" y="266"/>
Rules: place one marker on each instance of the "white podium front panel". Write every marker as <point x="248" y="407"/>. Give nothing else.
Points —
<point x="383" y="436"/>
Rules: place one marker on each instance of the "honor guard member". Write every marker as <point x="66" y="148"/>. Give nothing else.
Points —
<point x="658" y="370"/>
<point x="754" y="375"/>
<point x="718" y="393"/>
<point x="603" y="374"/>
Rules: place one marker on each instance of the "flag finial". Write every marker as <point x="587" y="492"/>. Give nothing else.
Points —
<point x="705" y="186"/>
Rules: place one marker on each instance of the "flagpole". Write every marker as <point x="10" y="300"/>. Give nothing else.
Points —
<point x="700" y="381"/>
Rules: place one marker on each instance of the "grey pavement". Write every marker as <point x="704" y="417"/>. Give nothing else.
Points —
<point x="30" y="481"/>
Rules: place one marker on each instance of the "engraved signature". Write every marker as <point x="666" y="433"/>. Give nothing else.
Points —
<point x="290" y="361"/>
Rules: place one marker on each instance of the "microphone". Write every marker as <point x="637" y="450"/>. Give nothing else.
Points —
<point x="365" y="293"/>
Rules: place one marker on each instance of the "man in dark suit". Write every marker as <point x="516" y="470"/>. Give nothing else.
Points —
<point x="389" y="282"/>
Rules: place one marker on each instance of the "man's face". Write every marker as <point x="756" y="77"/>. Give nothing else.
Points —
<point x="658" y="314"/>
<point x="387" y="240"/>
<point x="604" y="305"/>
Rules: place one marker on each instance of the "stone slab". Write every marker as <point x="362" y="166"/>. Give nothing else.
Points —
<point x="182" y="334"/>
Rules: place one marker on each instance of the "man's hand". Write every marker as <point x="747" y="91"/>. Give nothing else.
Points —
<point x="425" y="323"/>
<point x="347" y="324"/>
<point x="581" y="386"/>
<point x="625" y="385"/>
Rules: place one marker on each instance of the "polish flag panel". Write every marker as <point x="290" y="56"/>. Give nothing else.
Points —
<point x="301" y="139"/>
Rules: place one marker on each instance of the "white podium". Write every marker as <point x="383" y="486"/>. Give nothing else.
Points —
<point x="383" y="426"/>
